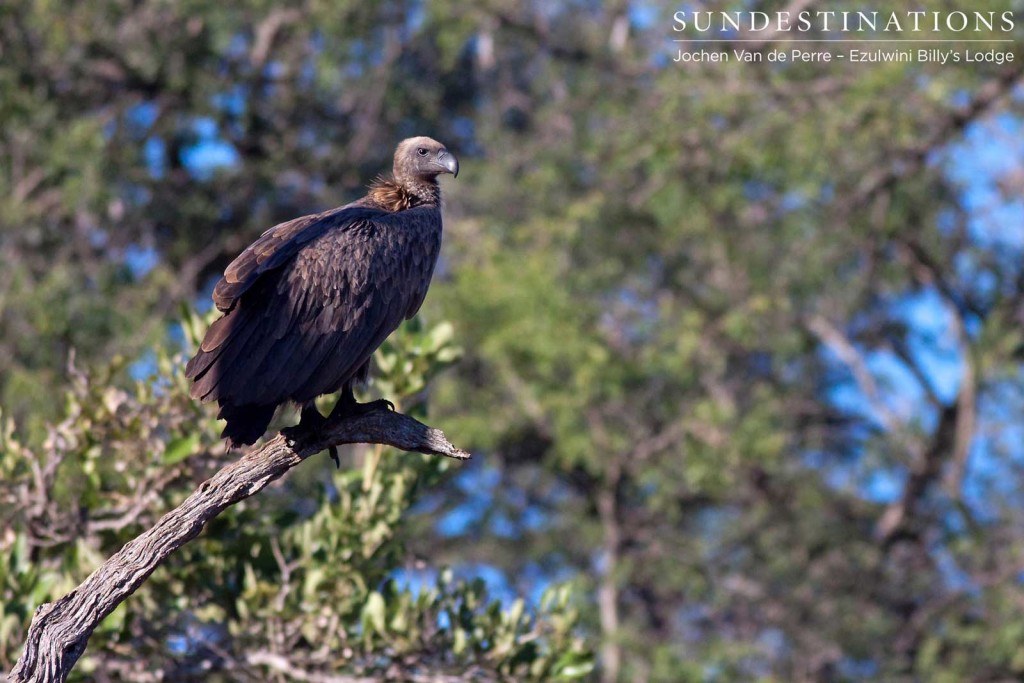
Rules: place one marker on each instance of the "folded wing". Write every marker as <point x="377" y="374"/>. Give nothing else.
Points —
<point x="308" y="303"/>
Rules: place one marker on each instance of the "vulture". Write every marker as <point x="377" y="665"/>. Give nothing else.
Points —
<point x="306" y="305"/>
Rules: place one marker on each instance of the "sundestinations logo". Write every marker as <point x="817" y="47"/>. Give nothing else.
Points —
<point x="944" y="37"/>
<point x="843" y="22"/>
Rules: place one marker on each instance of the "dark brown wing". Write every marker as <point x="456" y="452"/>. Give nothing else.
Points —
<point x="277" y="246"/>
<point x="271" y="250"/>
<point x="303" y="316"/>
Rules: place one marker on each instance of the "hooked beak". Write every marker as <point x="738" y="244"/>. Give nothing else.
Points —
<point x="449" y="163"/>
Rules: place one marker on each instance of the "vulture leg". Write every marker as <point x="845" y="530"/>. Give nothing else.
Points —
<point x="310" y="420"/>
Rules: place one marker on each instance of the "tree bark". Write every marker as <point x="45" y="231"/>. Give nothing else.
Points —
<point x="60" y="630"/>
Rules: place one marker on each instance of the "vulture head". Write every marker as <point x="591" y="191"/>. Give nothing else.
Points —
<point x="423" y="158"/>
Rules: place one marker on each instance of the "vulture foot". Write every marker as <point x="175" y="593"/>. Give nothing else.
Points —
<point x="371" y="406"/>
<point x="347" y="406"/>
<point x="310" y="423"/>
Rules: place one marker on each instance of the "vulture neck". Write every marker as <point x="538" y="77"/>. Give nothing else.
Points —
<point x="391" y="195"/>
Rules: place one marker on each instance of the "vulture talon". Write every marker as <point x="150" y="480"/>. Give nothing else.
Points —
<point x="310" y="423"/>
<point x="347" y="406"/>
<point x="379" y="404"/>
<point x="292" y="436"/>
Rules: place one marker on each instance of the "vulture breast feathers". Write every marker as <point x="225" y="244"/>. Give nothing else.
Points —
<point x="307" y="304"/>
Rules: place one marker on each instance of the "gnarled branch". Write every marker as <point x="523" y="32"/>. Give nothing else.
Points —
<point x="60" y="630"/>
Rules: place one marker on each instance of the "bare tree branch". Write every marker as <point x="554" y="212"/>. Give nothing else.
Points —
<point x="60" y="630"/>
<point x="844" y="349"/>
<point x="896" y="520"/>
<point x="283" y="665"/>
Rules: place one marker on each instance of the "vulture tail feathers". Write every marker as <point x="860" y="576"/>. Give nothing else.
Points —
<point x="246" y="423"/>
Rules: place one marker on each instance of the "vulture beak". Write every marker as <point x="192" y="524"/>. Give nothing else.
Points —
<point x="448" y="162"/>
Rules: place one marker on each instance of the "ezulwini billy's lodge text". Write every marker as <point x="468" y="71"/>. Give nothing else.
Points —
<point x="858" y="55"/>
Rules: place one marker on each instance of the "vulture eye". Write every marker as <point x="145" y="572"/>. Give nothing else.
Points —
<point x="422" y="151"/>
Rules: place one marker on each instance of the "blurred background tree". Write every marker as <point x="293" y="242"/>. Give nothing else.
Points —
<point x="741" y="343"/>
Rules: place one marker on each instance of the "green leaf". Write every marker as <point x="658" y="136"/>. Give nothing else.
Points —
<point x="441" y="334"/>
<point x="180" y="448"/>
<point x="374" y="613"/>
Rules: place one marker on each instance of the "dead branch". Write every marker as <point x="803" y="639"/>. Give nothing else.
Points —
<point x="60" y="630"/>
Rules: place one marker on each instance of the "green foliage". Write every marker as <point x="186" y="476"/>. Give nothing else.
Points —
<point x="305" y="571"/>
